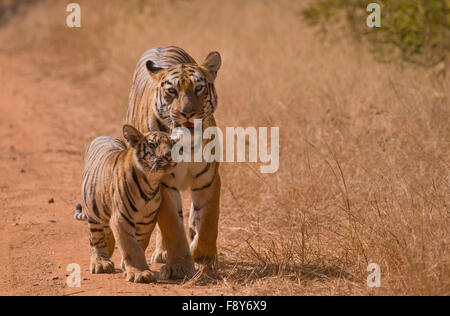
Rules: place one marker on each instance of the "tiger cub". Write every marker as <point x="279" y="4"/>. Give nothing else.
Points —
<point x="121" y="192"/>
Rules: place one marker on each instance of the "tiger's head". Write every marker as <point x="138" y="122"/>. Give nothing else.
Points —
<point x="185" y="92"/>
<point x="152" y="151"/>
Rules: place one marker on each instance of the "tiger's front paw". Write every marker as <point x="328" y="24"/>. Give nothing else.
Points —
<point x="99" y="266"/>
<point x="159" y="257"/>
<point x="207" y="260"/>
<point x="176" y="271"/>
<point x="137" y="276"/>
<point x="204" y="257"/>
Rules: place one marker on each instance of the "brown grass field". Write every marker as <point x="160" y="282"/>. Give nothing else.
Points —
<point x="364" y="149"/>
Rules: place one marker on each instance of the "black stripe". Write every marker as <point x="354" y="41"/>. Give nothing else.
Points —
<point x="151" y="214"/>
<point x="115" y="161"/>
<point x="182" y="53"/>
<point x="174" y="60"/>
<point x="208" y="165"/>
<point x="93" y="188"/>
<point x="91" y="221"/>
<point x="207" y="185"/>
<point x="128" y="220"/>
<point x="101" y="241"/>
<point x="142" y="193"/>
<point x="106" y="210"/>
<point x="84" y="193"/>
<point x="154" y="193"/>
<point x="95" y="207"/>
<point x="128" y="194"/>
<point x="122" y="201"/>
<point x="129" y="198"/>
<point x="133" y="207"/>
<point x="148" y="223"/>
<point x="169" y="187"/>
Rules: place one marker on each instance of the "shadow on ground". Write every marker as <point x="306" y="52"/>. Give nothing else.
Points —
<point x="243" y="273"/>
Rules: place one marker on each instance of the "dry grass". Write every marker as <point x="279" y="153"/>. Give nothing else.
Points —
<point x="364" y="164"/>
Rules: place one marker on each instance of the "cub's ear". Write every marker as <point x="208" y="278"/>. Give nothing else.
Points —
<point x="152" y="69"/>
<point x="132" y="135"/>
<point x="212" y="65"/>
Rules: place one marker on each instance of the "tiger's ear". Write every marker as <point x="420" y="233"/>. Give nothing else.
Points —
<point x="152" y="69"/>
<point x="132" y="135"/>
<point x="212" y="65"/>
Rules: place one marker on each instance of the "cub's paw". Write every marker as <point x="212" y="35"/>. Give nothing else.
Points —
<point x="176" y="271"/>
<point x="159" y="257"/>
<point x="136" y="276"/>
<point x="101" y="266"/>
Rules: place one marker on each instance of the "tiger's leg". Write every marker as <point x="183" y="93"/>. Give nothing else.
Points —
<point x="143" y="240"/>
<point x="144" y="232"/>
<point x="194" y="219"/>
<point x="179" y="260"/>
<point x="136" y="268"/>
<point x="160" y="253"/>
<point x="110" y="241"/>
<point x="100" y="255"/>
<point x="205" y="221"/>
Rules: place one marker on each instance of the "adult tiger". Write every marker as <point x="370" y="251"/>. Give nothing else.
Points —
<point x="171" y="90"/>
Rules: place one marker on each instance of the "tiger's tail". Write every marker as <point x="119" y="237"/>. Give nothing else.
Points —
<point x="79" y="215"/>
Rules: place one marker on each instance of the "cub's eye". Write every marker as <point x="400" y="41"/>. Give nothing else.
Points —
<point x="199" y="89"/>
<point x="172" y="91"/>
<point x="152" y="146"/>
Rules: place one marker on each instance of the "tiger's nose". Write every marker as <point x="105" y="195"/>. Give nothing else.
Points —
<point x="188" y="115"/>
<point x="168" y="156"/>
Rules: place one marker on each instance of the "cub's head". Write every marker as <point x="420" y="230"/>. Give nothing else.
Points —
<point x="185" y="92"/>
<point x="152" y="151"/>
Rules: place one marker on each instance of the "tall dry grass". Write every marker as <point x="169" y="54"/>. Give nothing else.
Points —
<point x="364" y="163"/>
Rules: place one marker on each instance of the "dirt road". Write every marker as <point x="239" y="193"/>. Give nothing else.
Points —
<point x="41" y="155"/>
<point x="363" y="174"/>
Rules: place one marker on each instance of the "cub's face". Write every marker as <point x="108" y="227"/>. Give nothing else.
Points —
<point x="185" y="92"/>
<point x="154" y="153"/>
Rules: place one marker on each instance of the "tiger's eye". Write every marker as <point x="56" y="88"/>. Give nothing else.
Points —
<point x="172" y="91"/>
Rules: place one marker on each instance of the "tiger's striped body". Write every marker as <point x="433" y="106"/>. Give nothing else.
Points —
<point x="121" y="192"/>
<point x="171" y="90"/>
